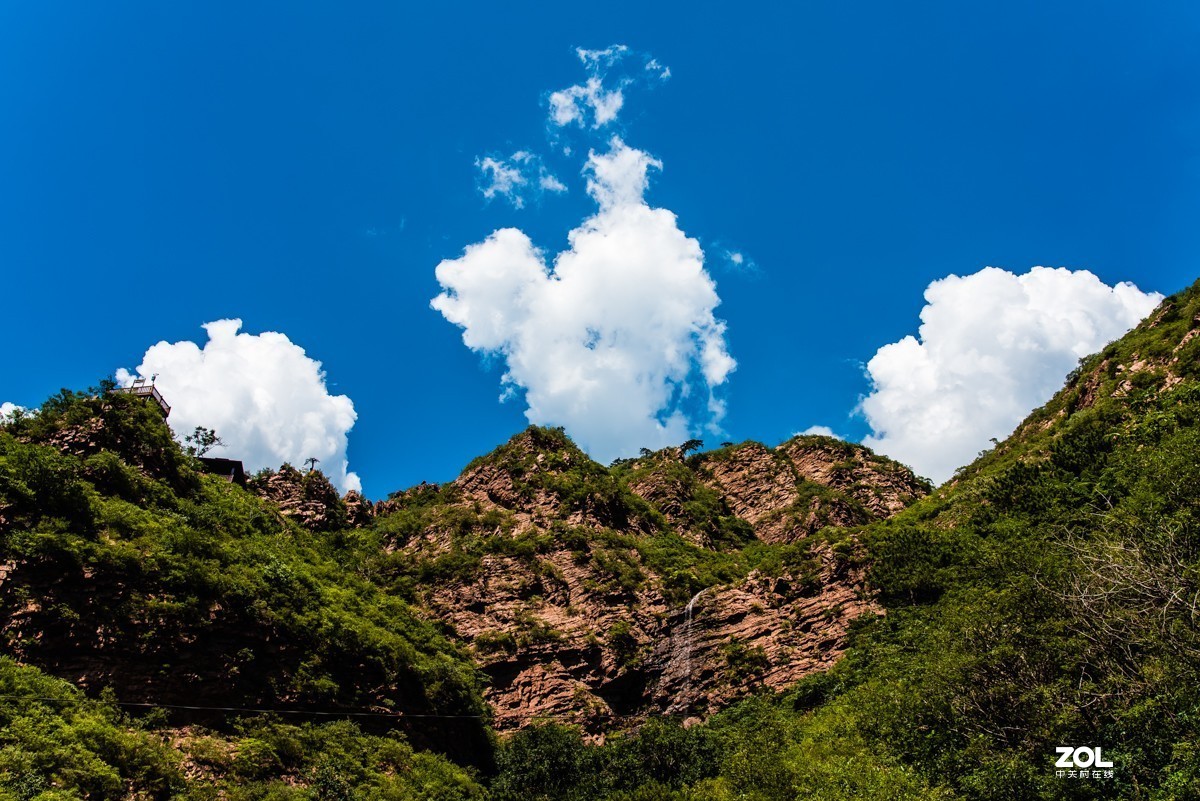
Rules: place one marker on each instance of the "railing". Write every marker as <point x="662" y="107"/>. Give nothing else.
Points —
<point x="147" y="391"/>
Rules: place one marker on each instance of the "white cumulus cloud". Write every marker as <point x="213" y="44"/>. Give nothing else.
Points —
<point x="597" y="60"/>
<point x="262" y="394"/>
<point x="652" y="66"/>
<point x="501" y="178"/>
<point x="550" y="183"/>
<point x="819" y="431"/>
<point x="7" y="410"/>
<point x="992" y="347"/>
<point x="616" y="339"/>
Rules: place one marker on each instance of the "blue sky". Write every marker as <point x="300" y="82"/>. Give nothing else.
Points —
<point x="305" y="167"/>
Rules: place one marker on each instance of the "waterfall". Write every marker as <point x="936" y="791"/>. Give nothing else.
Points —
<point x="687" y="642"/>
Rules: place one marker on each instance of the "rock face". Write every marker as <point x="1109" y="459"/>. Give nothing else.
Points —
<point x="359" y="511"/>
<point x="882" y="486"/>
<point x="757" y="484"/>
<point x="582" y="596"/>
<point x="308" y="498"/>
<point x="763" y="631"/>
<point x="807" y="483"/>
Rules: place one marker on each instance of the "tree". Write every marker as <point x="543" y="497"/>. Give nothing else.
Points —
<point x="691" y="445"/>
<point x="202" y="440"/>
<point x="311" y="463"/>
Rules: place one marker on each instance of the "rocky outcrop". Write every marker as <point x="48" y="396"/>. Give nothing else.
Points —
<point x="763" y="632"/>
<point x="555" y="638"/>
<point x="82" y="439"/>
<point x="756" y="483"/>
<point x="809" y="482"/>
<point x="308" y="498"/>
<point x="1155" y="358"/>
<point x="566" y="609"/>
<point x="882" y="486"/>
<point x="536" y="562"/>
<point x="557" y="644"/>
<point x="542" y="477"/>
<point x="359" y="511"/>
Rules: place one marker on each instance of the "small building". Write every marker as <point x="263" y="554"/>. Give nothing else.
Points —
<point x="145" y="389"/>
<point x="229" y="469"/>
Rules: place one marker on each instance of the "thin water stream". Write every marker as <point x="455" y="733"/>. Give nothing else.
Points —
<point x="687" y="642"/>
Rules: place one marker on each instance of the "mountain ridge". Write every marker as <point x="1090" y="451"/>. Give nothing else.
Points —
<point x="749" y="622"/>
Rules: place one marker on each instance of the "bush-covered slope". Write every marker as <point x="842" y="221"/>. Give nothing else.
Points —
<point x="1048" y="596"/>
<point x="126" y="568"/>
<point x="56" y="744"/>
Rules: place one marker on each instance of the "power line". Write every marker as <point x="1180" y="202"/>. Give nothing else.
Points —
<point x="312" y="712"/>
<point x="197" y="707"/>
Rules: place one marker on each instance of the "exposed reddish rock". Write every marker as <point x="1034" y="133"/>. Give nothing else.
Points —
<point x="1090" y="388"/>
<point x="393" y="502"/>
<point x="83" y="439"/>
<point x="882" y="486"/>
<point x="756" y="483"/>
<point x="1165" y="367"/>
<point x="519" y="477"/>
<point x="669" y="482"/>
<point x="493" y="485"/>
<point x="545" y="632"/>
<point x="667" y="493"/>
<point x="111" y="423"/>
<point x="359" y="511"/>
<point x="556" y="644"/>
<point x="794" y="490"/>
<point x="583" y="629"/>
<point x="763" y="631"/>
<point x="308" y="498"/>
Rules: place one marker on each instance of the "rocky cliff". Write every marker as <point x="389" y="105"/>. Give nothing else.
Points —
<point x="308" y="498"/>
<point x="670" y="584"/>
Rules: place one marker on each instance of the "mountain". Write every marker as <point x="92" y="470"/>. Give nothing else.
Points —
<point x="538" y="585"/>
<point x="573" y="584"/>
<point x="805" y="620"/>
<point x="604" y="596"/>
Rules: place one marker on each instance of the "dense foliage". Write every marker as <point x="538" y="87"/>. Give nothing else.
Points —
<point x="1047" y="596"/>
<point x="174" y="587"/>
<point x="57" y="744"/>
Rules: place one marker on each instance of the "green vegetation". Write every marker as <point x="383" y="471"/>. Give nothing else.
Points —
<point x="267" y="758"/>
<point x="175" y="586"/>
<point x="1038" y="601"/>
<point x="552" y="763"/>
<point x="1045" y="597"/>
<point x="491" y="641"/>
<point x="620" y="637"/>
<point x="55" y="743"/>
<point x="312" y="487"/>
<point x="697" y="508"/>
<point x="546" y="461"/>
<point x="743" y="660"/>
